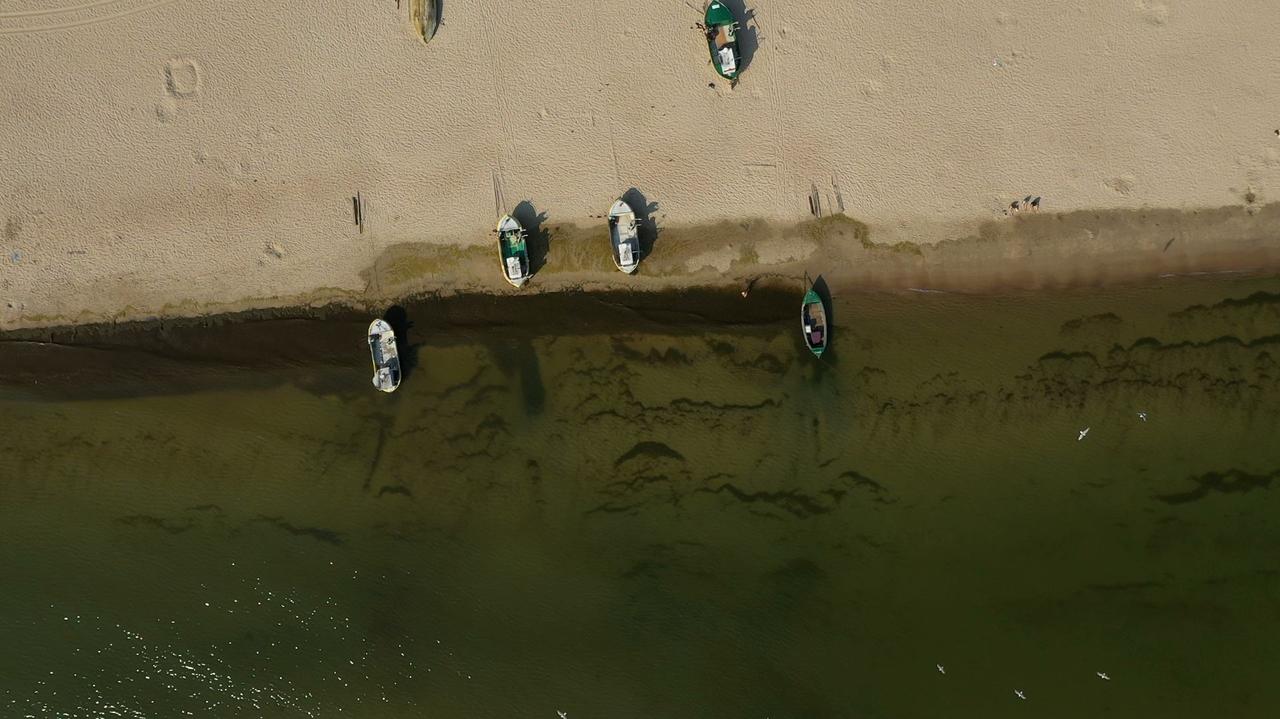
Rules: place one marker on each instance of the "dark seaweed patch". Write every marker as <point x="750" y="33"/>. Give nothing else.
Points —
<point x="1232" y="481"/>
<point x="653" y="450"/>
<point x="324" y="535"/>
<point x="145" y="520"/>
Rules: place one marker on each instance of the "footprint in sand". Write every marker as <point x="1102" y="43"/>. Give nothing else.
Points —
<point x="1122" y="185"/>
<point x="183" y="77"/>
<point x="1156" y="13"/>
<point x="271" y="251"/>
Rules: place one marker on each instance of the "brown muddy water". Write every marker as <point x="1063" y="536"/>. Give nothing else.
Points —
<point x="652" y="506"/>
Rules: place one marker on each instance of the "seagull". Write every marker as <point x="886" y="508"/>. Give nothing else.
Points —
<point x="561" y="714"/>
<point x="1103" y="676"/>
<point x="1019" y="694"/>
<point x="941" y="669"/>
<point x="1142" y="416"/>
<point x="1083" y="432"/>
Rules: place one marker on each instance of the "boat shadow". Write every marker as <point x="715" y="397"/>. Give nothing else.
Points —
<point x="748" y="34"/>
<point x="517" y="359"/>
<point x="646" y="220"/>
<point x="539" y="238"/>
<point x="398" y="318"/>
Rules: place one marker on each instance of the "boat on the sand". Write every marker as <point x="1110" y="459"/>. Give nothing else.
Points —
<point x="425" y="16"/>
<point x="813" y="322"/>
<point x="722" y="39"/>
<point x="624" y="237"/>
<point x="513" y="250"/>
<point x="386" y="358"/>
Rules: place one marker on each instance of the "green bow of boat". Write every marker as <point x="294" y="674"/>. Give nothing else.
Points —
<point x="718" y="14"/>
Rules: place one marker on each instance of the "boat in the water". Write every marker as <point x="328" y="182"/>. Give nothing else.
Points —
<point x="813" y="322"/>
<point x="386" y="358"/>
<point x="513" y="250"/>
<point x="722" y="39"/>
<point x="425" y="16"/>
<point x="624" y="236"/>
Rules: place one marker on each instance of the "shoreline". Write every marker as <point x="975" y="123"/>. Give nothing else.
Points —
<point x="1023" y="252"/>
<point x="302" y="343"/>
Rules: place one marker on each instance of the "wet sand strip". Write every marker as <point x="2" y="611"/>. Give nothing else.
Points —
<point x="175" y="355"/>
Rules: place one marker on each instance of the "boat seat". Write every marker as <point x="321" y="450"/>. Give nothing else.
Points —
<point x="726" y="59"/>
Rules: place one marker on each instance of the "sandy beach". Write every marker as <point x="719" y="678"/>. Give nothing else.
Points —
<point x="165" y="157"/>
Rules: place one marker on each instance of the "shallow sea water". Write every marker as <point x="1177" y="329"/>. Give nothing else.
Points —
<point x="691" y="519"/>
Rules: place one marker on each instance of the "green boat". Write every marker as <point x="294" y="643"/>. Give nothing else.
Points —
<point x="813" y="323"/>
<point x="513" y="250"/>
<point x="722" y="39"/>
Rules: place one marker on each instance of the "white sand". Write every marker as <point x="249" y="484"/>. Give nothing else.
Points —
<point x="169" y="156"/>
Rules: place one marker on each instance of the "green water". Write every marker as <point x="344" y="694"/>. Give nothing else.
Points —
<point x="695" y="522"/>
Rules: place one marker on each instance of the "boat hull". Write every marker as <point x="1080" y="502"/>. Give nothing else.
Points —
<point x="722" y="39"/>
<point x="814" y="327"/>
<point x="624" y="237"/>
<point x="513" y="251"/>
<point x="425" y="16"/>
<point x="386" y="356"/>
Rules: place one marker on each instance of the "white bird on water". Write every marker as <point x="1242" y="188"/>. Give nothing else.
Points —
<point x="1019" y="694"/>
<point x="941" y="669"/>
<point x="1142" y="416"/>
<point x="561" y="714"/>
<point x="1103" y="676"/>
<point x="1083" y="433"/>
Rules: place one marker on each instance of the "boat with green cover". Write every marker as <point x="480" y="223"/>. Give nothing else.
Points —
<point x="813" y="322"/>
<point x="722" y="39"/>
<point x="513" y="250"/>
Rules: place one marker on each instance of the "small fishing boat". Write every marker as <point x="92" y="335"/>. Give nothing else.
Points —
<point x="624" y="236"/>
<point x="386" y="358"/>
<point x="722" y="39"/>
<point x="813" y="322"/>
<point x="513" y="250"/>
<point x="425" y="16"/>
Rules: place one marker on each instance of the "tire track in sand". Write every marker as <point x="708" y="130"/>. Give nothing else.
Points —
<point x="505" y="109"/>
<point x="779" y="126"/>
<point x="26" y="22"/>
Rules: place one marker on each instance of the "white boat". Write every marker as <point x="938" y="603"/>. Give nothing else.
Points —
<point x="386" y="358"/>
<point x="624" y="236"/>
<point x="513" y="250"/>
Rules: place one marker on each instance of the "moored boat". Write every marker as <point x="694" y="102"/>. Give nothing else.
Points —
<point x="513" y="250"/>
<point x="813" y="322"/>
<point x="624" y="237"/>
<point x="386" y="358"/>
<point x="722" y="39"/>
<point x="425" y="16"/>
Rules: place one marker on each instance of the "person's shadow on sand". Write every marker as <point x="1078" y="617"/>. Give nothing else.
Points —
<point x="646" y="222"/>
<point x="398" y="318"/>
<point x="539" y="239"/>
